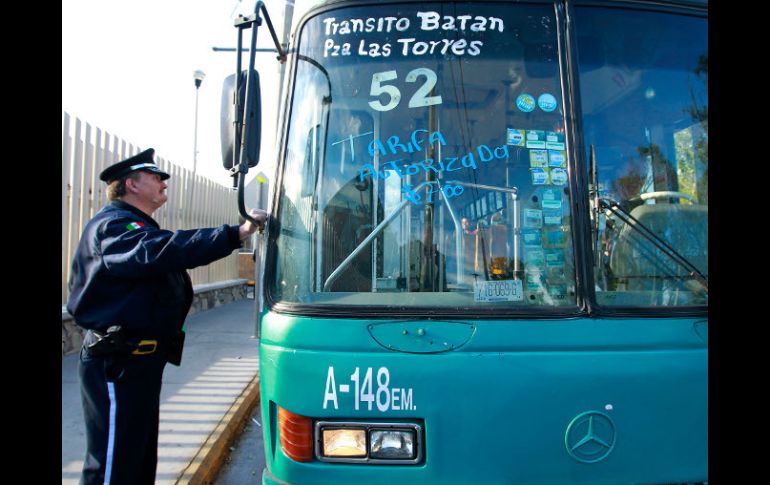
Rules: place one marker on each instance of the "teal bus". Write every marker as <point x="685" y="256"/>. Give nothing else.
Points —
<point x="487" y="253"/>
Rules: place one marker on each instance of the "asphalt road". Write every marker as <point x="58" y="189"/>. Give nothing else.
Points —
<point x="247" y="455"/>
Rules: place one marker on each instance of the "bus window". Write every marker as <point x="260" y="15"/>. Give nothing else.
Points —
<point x="643" y="92"/>
<point x="434" y="140"/>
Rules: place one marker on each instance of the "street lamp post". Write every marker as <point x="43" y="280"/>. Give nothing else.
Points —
<point x="198" y="77"/>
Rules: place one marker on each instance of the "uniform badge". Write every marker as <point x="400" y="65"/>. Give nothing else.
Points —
<point x="134" y="225"/>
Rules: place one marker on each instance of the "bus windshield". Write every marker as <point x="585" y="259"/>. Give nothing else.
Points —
<point x="426" y="153"/>
<point x="427" y="163"/>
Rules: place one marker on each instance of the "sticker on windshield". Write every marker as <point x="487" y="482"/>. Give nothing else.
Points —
<point x="531" y="237"/>
<point x="551" y="199"/>
<point x="547" y="102"/>
<point x="516" y="137"/>
<point x="538" y="158"/>
<point x="539" y="176"/>
<point x="498" y="290"/>
<point x="558" y="176"/>
<point x="554" y="238"/>
<point x="557" y="158"/>
<point x="535" y="139"/>
<point x="554" y="140"/>
<point x="533" y="218"/>
<point x="525" y="102"/>
<point x="554" y="258"/>
<point x="552" y="217"/>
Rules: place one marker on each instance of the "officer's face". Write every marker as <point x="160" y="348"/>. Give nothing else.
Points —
<point x="151" y="189"/>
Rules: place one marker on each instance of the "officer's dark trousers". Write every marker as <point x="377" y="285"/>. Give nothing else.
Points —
<point x="121" y="406"/>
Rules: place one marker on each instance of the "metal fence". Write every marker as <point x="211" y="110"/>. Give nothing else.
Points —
<point x="87" y="150"/>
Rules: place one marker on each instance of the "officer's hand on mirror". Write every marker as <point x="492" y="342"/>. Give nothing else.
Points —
<point x="248" y="228"/>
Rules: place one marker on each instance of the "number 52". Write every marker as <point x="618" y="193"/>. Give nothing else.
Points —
<point x="420" y="97"/>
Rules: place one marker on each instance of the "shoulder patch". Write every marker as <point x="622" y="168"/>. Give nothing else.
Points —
<point x="134" y="225"/>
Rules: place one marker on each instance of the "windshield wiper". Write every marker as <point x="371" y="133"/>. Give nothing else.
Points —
<point x="632" y="222"/>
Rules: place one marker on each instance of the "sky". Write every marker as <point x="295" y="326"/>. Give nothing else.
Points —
<point x="127" y="68"/>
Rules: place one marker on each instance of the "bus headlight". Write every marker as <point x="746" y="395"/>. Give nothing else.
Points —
<point x="344" y="442"/>
<point x="392" y="444"/>
<point x="374" y="443"/>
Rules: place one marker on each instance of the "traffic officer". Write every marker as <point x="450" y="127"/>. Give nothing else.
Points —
<point x="131" y="291"/>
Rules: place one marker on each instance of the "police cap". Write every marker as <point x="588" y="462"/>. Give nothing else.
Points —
<point x="140" y="161"/>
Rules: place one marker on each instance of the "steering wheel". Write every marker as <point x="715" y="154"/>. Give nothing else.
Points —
<point x="664" y="194"/>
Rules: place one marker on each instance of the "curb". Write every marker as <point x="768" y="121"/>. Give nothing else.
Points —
<point x="205" y="465"/>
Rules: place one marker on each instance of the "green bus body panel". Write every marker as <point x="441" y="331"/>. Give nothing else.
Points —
<point x="496" y="409"/>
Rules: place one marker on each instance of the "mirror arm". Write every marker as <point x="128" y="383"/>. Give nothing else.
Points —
<point x="281" y="53"/>
<point x="242" y="170"/>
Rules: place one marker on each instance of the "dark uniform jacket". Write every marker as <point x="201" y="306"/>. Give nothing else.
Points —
<point x="129" y="272"/>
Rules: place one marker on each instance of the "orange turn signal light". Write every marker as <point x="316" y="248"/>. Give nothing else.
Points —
<point x="296" y="433"/>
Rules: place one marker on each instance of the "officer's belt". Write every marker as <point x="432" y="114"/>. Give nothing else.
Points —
<point x="114" y="343"/>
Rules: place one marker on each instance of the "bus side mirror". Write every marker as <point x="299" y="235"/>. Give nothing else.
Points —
<point x="251" y="139"/>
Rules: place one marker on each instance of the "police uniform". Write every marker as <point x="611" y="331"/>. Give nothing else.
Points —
<point x="131" y="291"/>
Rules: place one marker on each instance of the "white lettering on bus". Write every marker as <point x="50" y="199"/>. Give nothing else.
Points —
<point x="432" y="21"/>
<point x="406" y="400"/>
<point x="386" y="397"/>
<point x="428" y="21"/>
<point x="413" y="45"/>
<point x="330" y="394"/>
<point x="352" y="26"/>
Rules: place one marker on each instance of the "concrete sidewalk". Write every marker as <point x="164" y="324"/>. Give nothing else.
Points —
<point x="203" y="402"/>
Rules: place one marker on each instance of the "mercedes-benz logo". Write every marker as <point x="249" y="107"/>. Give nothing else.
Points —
<point x="590" y="437"/>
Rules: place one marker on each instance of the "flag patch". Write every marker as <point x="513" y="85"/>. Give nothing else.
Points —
<point x="134" y="225"/>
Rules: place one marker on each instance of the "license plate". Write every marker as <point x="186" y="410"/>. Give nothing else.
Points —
<point x="500" y="290"/>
